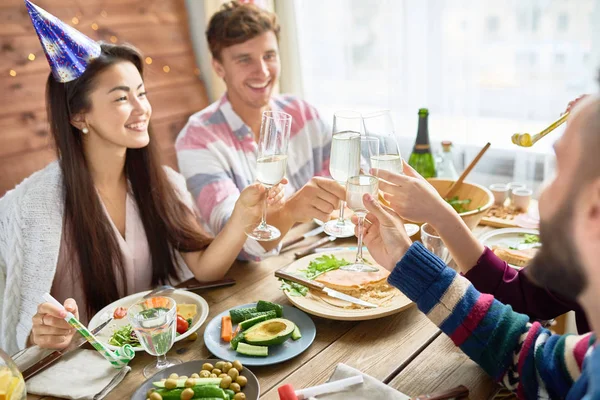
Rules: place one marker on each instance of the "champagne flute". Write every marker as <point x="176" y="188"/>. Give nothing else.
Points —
<point x="344" y="163"/>
<point x="271" y="163"/>
<point x="379" y="124"/>
<point x="154" y="321"/>
<point x="356" y="187"/>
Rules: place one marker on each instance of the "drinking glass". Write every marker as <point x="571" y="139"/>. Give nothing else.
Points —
<point x="11" y="380"/>
<point x="356" y="187"/>
<point x="270" y="164"/>
<point x="154" y="321"/>
<point x="379" y="124"/>
<point x="433" y="242"/>
<point x="344" y="162"/>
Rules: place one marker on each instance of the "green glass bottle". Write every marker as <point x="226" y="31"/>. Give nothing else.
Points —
<point x="421" y="158"/>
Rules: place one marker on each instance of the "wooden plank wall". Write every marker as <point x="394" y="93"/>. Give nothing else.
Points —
<point x="159" y="28"/>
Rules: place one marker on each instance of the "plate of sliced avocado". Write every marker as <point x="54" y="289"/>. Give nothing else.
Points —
<point x="261" y="333"/>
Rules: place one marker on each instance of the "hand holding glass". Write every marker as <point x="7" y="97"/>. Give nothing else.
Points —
<point x="356" y="188"/>
<point x="271" y="163"/>
<point x="154" y="321"/>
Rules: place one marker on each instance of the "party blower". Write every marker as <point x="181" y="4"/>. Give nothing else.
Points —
<point x="118" y="359"/>
<point x="287" y="392"/>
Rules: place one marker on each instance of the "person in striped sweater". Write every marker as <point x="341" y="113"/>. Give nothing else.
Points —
<point x="217" y="149"/>
<point x="525" y="357"/>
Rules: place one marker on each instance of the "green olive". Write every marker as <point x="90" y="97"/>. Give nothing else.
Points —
<point x="187" y="394"/>
<point x="150" y="391"/>
<point x="173" y="376"/>
<point x="225" y="382"/>
<point x="239" y="396"/>
<point x="207" y="367"/>
<point x="219" y="365"/>
<point x="233" y="373"/>
<point x="227" y="367"/>
<point x="170" y="383"/>
<point x="238" y="365"/>
<point x="235" y="387"/>
<point x="195" y="376"/>
<point x="193" y="337"/>
<point x="213" y="376"/>
<point x="223" y="375"/>
<point x="241" y="380"/>
<point x="217" y="371"/>
<point x="155" y="396"/>
<point x="191" y="382"/>
<point x="205" y="374"/>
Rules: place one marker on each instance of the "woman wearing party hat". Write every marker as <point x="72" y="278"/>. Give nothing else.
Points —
<point x="106" y="219"/>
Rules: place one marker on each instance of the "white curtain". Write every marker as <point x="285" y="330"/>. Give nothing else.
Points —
<point x="485" y="69"/>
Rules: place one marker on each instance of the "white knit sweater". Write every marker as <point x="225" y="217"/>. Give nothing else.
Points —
<point x="31" y="222"/>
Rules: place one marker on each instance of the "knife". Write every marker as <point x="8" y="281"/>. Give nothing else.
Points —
<point x="320" y="287"/>
<point x="313" y="246"/>
<point x="55" y="355"/>
<point x="292" y="242"/>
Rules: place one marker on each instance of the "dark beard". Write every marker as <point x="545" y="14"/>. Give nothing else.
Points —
<point x="557" y="265"/>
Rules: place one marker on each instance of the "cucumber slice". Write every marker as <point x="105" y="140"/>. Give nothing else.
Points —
<point x="236" y="340"/>
<point x="199" y="382"/>
<point x="267" y="306"/>
<point x="296" y="333"/>
<point x="240" y="314"/>
<point x="254" y="351"/>
<point x="259" y="318"/>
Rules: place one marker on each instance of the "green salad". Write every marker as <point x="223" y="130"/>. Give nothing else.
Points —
<point x="460" y="206"/>
<point x="123" y="336"/>
<point x="316" y="267"/>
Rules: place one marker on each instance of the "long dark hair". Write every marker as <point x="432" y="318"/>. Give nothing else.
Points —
<point x="168" y="223"/>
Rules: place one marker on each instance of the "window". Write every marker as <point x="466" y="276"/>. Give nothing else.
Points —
<point x="406" y="54"/>
<point x="563" y="22"/>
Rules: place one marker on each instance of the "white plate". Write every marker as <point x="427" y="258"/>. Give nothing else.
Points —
<point x="180" y="297"/>
<point x="506" y="237"/>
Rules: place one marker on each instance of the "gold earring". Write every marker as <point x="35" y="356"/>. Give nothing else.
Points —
<point x="85" y="130"/>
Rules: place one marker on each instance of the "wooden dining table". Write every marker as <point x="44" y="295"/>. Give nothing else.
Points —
<point x="405" y="350"/>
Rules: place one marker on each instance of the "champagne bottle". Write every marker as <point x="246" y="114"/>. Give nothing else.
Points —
<point x="421" y="158"/>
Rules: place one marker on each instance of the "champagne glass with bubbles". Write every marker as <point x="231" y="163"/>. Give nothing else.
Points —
<point x="344" y="162"/>
<point x="379" y="124"/>
<point x="154" y="321"/>
<point x="271" y="163"/>
<point x="356" y="187"/>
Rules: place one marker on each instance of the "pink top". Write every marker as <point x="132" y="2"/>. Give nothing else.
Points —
<point x="136" y="257"/>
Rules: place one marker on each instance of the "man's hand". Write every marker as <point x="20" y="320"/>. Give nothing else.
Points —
<point x="317" y="199"/>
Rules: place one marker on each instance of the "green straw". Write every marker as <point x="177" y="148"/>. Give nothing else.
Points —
<point x="118" y="358"/>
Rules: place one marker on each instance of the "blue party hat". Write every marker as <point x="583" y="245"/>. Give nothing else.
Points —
<point x="68" y="51"/>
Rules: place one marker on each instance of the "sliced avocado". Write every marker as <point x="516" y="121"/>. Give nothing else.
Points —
<point x="296" y="334"/>
<point x="270" y="332"/>
<point x="250" y="350"/>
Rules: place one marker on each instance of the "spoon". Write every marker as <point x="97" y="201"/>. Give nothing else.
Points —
<point x="526" y="140"/>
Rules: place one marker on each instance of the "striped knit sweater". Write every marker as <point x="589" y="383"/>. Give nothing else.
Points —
<point x="524" y="357"/>
<point x="217" y="154"/>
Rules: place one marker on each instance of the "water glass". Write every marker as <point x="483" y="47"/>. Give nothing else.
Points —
<point x="433" y="242"/>
<point x="154" y="321"/>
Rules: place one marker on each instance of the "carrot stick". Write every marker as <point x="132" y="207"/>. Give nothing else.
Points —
<point x="226" y="328"/>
